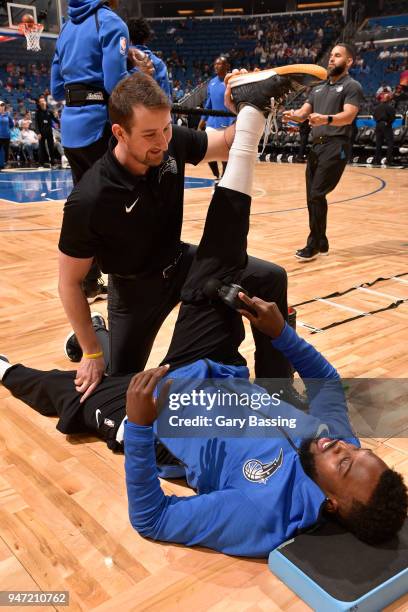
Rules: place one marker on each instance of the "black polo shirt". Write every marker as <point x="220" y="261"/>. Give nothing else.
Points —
<point x="131" y="224"/>
<point x="330" y="98"/>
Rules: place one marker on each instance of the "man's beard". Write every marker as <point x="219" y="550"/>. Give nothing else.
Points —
<point x="307" y="458"/>
<point x="336" y="70"/>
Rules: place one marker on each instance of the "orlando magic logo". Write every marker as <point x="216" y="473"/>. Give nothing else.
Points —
<point x="255" y="471"/>
<point x="169" y="165"/>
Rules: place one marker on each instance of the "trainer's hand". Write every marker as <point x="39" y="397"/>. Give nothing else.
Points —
<point x="268" y="319"/>
<point x="89" y="375"/>
<point x="228" y="102"/>
<point x="141" y="406"/>
<point x="318" y="119"/>
<point x="140" y="60"/>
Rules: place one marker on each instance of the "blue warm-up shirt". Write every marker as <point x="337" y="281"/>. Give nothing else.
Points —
<point x="233" y="513"/>
<point x="160" y="70"/>
<point x="6" y="123"/>
<point x="215" y="101"/>
<point x="92" y="48"/>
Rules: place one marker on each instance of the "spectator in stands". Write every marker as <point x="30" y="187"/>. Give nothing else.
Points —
<point x="16" y="143"/>
<point x="6" y="124"/>
<point x="392" y="66"/>
<point x="384" y="54"/>
<point x="30" y="141"/>
<point x="383" y="89"/>
<point x="384" y="115"/>
<point x="140" y="34"/>
<point x="26" y="119"/>
<point x="44" y="122"/>
<point x="215" y="101"/>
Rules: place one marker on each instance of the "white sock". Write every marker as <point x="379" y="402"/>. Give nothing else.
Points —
<point x="239" y="174"/>
<point x="4" y="366"/>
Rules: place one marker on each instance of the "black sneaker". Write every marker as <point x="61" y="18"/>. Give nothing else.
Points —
<point x="258" y="88"/>
<point x="324" y="248"/>
<point x="307" y="254"/>
<point x="4" y="358"/>
<point x="72" y="348"/>
<point x="95" y="290"/>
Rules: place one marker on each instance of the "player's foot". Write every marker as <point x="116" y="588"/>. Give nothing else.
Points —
<point x="258" y="88"/>
<point x="307" y="254"/>
<point x="72" y="347"/>
<point x="95" y="290"/>
<point x="4" y="358"/>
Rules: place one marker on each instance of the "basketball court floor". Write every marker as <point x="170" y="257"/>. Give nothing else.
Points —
<point x="63" y="508"/>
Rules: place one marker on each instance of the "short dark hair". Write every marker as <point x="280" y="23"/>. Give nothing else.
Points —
<point x="351" y="52"/>
<point x="384" y="515"/>
<point x="139" y="31"/>
<point x="135" y="90"/>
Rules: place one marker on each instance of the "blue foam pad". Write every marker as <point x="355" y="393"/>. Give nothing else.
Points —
<point x="332" y="570"/>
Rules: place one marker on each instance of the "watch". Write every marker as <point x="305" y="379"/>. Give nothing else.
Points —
<point x="329" y="119"/>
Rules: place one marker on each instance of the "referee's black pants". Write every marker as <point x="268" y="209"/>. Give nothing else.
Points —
<point x="325" y="165"/>
<point x="383" y="133"/>
<point x="203" y="330"/>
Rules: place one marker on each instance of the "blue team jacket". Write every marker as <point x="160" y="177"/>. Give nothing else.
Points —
<point x="160" y="70"/>
<point x="6" y="123"/>
<point x="215" y="101"/>
<point x="233" y="513"/>
<point x="92" y="48"/>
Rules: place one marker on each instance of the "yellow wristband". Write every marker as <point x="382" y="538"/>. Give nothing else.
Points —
<point x="93" y="355"/>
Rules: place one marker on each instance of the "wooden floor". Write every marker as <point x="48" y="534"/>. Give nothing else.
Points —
<point x="63" y="511"/>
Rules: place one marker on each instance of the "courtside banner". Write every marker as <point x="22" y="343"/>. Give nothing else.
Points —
<point x="235" y="407"/>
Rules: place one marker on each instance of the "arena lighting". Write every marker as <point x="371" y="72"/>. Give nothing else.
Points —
<point x="185" y="12"/>
<point x="233" y="10"/>
<point x="310" y="5"/>
<point x="209" y="11"/>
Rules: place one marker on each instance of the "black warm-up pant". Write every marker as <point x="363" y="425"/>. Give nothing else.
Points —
<point x="325" y="165"/>
<point x="383" y="133"/>
<point x="202" y="330"/>
<point x="44" y="156"/>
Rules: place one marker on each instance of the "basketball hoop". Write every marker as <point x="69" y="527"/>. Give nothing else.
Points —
<point x="32" y="32"/>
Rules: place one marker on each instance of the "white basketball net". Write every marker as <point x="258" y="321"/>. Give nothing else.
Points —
<point x="32" y="33"/>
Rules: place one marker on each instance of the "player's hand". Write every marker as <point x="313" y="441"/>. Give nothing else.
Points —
<point x="140" y="60"/>
<point x="141" y="406"/>
<point x="228" y="102"/>
<point x="268" y="319"/>
<point x="318" y="119"/>
<point x="89" y="375"/>
<point x="290" y="115"/>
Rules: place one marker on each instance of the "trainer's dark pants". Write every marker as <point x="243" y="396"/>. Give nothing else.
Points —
<point x="325" y="166"/>
<point x="81" y="159"/>
<point x="44" y="156"/>
<point x="202" y="329"/>
<point x="383" y="132"/>
<point x="137" y="308"/>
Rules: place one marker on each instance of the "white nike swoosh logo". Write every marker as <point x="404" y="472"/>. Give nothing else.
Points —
<point x="97" y="413"/>
<point x="129" y="208"/>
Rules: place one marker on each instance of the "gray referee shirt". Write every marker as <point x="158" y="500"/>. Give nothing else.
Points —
<point x="330" y="98"/>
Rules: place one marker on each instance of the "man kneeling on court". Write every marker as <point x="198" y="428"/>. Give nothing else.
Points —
<point x="253" y="493"/>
